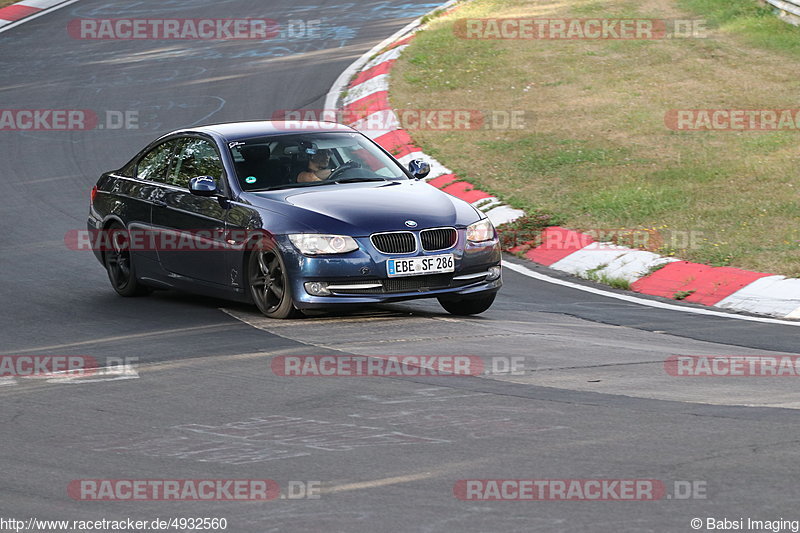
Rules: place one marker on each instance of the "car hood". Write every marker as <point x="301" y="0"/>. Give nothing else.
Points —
<point x="360" y="209"/>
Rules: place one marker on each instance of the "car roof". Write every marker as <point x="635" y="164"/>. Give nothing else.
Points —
<point x="232" y="131"/>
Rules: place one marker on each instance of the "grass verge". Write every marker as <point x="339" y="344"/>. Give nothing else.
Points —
<point x="597" y="153"/>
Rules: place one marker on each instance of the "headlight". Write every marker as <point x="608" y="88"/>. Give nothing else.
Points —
<point x="316" y="244"/>
<point x="480" y="231"/>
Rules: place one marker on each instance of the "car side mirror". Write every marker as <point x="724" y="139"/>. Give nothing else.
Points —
<point x="419" y="168"/>
<point x="203" y="186"/>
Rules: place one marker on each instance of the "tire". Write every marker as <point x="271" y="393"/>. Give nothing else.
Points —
<point x="269" y="284"/>
<point x="470" y="305"/>
<point x="119" y="264"/>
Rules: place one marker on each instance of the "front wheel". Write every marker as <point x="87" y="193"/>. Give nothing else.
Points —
<point x="269" y="284"/>
<point x="467" y="305"/>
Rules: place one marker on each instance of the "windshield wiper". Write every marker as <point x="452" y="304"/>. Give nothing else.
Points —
<point x="316" y="184"/>
<point x="356" y="180"/>
<point x="292" y="186"/>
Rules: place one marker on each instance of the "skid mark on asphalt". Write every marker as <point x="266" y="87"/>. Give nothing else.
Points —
<point x="349" y="332"/>
<point x="612" y="360"/>
<point x="427" y="395"/>
<point x="492" y="422"/>
<point x="543" y="344"/>
<point x="143" y="9"/>
<point x="378" y="483"/>
<point x="55" y="178"/>
<point x="135" y="336"/>
<point x="100" y="375"/>
<point x="28" y="385"/>
<point x="257" y="440"/>
<point x="442" y="471"/>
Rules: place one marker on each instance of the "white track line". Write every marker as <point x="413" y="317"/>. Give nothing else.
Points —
<point x="525" y="271"/>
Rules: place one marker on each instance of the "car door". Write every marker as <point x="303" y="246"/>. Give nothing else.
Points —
<point x="137" y="193"/>
<point x="193" y="241"/>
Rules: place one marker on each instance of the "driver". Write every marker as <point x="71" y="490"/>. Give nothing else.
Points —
<point x="317" y="168"/>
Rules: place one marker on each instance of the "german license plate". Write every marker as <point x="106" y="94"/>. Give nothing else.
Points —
<point x="415" y="266"/>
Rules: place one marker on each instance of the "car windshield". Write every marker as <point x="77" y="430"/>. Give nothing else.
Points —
<point x="310" y="159"/>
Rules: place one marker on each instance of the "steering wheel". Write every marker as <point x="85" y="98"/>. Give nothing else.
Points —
<point x="341" y="168"/>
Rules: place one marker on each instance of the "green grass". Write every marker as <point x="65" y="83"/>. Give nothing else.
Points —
<point x="682" y="295"/>
<point x="758" y="25"/>
<point x="631" y="203"/>
<point x="595" y="151"/>
<point x="655" y="268"/>
<point x="566" y="153"/>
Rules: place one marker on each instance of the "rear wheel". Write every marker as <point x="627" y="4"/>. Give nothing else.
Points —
<point x="119" y="263"/>
<point x="269" y="284"/>
<point x="467" y="305"/>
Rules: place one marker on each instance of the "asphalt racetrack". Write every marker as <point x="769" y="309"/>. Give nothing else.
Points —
<point x="585" y="394"/>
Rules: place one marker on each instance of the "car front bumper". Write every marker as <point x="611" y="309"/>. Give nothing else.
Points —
<point x="360" y="277"/>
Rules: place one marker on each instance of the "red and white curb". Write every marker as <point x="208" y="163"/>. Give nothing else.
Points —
<point x="362" y="92"/>
<point x="16" y="14"/>
<point x="648" y="273"/>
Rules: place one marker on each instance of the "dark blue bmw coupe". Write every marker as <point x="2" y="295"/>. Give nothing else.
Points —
<point x="291" y="217"/>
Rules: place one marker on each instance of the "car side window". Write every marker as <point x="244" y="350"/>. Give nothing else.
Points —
<point x="195" y="157"/>
<point x="153" y="166"/>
